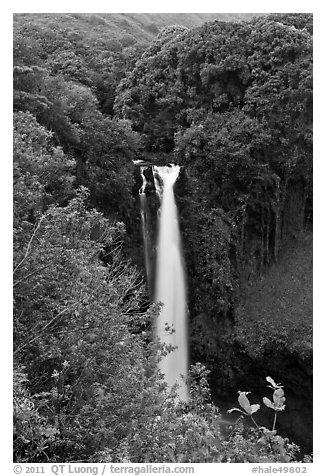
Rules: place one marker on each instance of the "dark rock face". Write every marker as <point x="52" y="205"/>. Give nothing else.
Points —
<point x="269" y="334"/>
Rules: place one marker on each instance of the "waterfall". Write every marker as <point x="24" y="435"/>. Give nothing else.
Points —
<point x="145" y="231"/>
<point x="170" y="288"/>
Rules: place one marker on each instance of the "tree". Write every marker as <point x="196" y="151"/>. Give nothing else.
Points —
<point x="70" y="307"/>
<point x="43" y="174"/>
<point x="68" y="64"/>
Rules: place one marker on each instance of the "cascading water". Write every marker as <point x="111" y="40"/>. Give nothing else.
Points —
<point x="145" y="230"/>
<point x="170" y="288"/>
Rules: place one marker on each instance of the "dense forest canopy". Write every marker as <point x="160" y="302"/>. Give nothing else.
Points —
<point x="231" y="102"/>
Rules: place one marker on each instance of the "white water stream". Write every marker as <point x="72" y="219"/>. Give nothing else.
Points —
<point x="170" y="288"/>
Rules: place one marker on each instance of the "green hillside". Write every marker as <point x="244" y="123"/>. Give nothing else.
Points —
<point x="123" y="26"/>
<point x="94" y="49"/>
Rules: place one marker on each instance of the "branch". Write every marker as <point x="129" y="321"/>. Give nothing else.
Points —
<point x="31" y="274"/>
<point x="29" y="244"/>
<point x="41" y="330"/>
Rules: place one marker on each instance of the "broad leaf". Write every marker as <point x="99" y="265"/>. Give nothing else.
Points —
<point x="279" y="399"/>
<point x="271" y="381"/>
<point x="254" y="408"/>
<point x="244" y="402"/>
<point x="268" y="403"/>
<point x="273" y="384"/>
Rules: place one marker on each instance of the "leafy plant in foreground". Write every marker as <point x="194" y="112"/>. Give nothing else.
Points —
<point x="277" y="405"/>
<point x="269" y="439"/>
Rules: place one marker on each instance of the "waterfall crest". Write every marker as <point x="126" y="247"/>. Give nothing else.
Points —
<point x="170" y="288"/>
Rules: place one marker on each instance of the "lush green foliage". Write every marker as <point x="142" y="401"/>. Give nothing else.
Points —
<point x="232" y="103"/>
<point x="93" y="393"/>
<point x="92" y="49"/>
<point x="53" y="81"/>
<point x="43" y="174"/>
<point x="74" y="314"/>
<point x="155" y="427"/>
